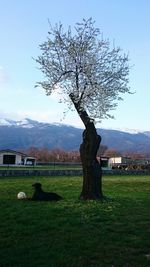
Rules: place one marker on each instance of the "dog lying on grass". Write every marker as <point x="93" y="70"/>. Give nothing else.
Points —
<point x="40" y="195"/>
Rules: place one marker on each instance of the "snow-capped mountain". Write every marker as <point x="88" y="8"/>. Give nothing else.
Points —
<point x="30" y="133"/>
<point x="26" y="123"/>
<point x="127" y="130"/>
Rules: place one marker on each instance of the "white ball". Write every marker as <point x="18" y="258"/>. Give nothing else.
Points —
<point x="21" y="195"/>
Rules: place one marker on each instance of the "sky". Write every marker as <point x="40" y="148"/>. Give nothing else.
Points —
<point x="24" y="26"/>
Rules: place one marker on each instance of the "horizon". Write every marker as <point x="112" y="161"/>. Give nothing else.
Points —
<point x="30" y="133"/>
<point x="24" y="120"/>
<point x="24" y="26"/>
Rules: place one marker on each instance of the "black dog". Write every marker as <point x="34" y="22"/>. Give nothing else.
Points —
<point x="40" y="195"/>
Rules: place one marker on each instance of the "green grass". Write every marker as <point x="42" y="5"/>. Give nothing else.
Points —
<point x="44" y="167"/>
<point x="72" y="233"/>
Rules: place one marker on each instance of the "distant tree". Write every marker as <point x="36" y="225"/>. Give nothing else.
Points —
<point x="112" y="153"/>
<point x="74" y="156"/>
<point x="33" y="152"/>
<point x="91" y="76"/>
<point x="134" y="155"/>
<point x="41" y="154"/>
<point x="101" y="151"/>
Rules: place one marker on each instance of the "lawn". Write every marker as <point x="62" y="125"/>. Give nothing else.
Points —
<point x="72" y="233"/>
<point x="53" y="166"/>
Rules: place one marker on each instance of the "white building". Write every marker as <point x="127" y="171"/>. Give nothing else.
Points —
<point x="118" y="160"/>
<point x="12" y="157"/>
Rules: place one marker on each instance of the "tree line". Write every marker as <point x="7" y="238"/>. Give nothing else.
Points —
<point x="61" y="155"/>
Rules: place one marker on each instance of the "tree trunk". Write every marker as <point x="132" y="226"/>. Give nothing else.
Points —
<point x="92" y="173"/>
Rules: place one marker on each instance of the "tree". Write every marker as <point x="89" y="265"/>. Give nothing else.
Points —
<point x="112" y="153"/>
<point x="101" y="151"/>
<point x="91" y="75"/>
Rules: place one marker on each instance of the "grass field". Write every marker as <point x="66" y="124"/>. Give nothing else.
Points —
<point x="44" y="167"/>
<point x="72" y="233"/>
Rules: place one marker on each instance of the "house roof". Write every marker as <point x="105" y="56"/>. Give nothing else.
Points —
<point x="13" y="152"/>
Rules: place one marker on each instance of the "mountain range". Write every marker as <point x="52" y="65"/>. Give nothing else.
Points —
<point x="28" y="133"/>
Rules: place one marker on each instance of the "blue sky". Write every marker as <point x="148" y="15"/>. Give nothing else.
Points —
<point x="24" y="25"/>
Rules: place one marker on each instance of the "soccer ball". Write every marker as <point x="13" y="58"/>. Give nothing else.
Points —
<point x="21" y="195"/>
